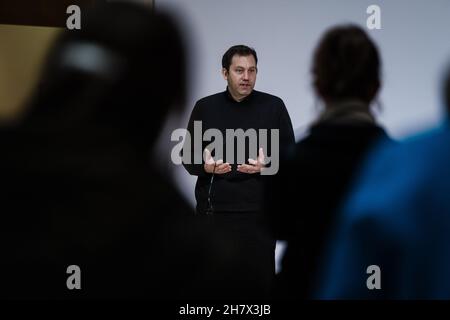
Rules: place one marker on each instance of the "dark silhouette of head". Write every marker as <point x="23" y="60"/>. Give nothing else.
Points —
<point x="346" y="65"/>
<point x="447" y="91"/>
<point x="81" y="188"/>
<point x="122" y="70"/>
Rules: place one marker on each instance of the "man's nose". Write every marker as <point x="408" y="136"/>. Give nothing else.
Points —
<point x="245" y="76"/>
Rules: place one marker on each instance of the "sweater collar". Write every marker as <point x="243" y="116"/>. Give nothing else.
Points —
<point x="347" y="112"/>
<point x="246" y="99"/>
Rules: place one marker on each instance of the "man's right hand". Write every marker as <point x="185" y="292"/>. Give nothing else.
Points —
<point x="217" y="167"/>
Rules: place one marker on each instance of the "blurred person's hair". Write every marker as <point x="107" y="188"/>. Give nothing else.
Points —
<point x="346" y="65"/>
<point x="447" y="90"/>
<point x="123" y="70"/>
<point x="239" y="50"/>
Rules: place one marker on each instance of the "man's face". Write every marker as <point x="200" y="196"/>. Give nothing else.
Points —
<point x="241" y="76"/>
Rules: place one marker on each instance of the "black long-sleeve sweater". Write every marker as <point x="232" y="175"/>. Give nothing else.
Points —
<point x="236" y="191"/>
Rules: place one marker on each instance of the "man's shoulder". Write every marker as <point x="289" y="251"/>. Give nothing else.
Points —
<point x="267" y="97"/>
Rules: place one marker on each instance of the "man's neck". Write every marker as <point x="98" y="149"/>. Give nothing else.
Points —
<point x="237" y="99"/>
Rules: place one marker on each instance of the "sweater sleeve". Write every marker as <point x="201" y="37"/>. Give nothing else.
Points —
<point x="287" y="137"/>
<point x="194" y="152"/>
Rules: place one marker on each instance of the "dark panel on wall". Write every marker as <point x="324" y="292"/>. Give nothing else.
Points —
<point x="39" y="12"/>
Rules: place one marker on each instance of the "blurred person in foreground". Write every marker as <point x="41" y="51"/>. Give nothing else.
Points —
<point x="80" y="187"/>
<point x="304" y="197"/>
<point x="394" y="236"/>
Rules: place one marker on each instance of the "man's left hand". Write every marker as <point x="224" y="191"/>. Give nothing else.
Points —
<point x="254" y="166"/>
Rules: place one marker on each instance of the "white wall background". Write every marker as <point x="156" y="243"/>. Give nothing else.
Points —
<point x="413" y="43"/>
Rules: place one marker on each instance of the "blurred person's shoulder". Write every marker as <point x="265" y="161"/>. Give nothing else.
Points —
<point x="395" y="169"/>
<point x="416" y="151"/>
<point x="431" y="140"/>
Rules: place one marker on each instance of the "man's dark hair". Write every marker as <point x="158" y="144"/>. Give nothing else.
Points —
<point x="239" y="50"/>
<point x="346" y="65"/>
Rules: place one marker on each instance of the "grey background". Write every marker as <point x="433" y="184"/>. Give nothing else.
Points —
<point x="413" y="42"/>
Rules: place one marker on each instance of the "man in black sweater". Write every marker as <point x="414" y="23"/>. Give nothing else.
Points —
<point x="243" y="124"/>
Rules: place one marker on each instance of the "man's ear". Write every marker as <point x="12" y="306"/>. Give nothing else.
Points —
<point x="225" y="73"/>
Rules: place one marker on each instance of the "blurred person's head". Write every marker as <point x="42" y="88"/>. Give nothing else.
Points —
<point x="447" y="90"/>
<point x="122" y="71"/>
<point x="239" y="69"/>
<point x="346" y="66"/>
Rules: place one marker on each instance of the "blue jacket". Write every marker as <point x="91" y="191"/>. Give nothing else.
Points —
<point x="397" y="218"/>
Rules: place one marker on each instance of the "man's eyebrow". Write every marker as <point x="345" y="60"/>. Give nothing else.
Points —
<point x="241" y="67"/>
